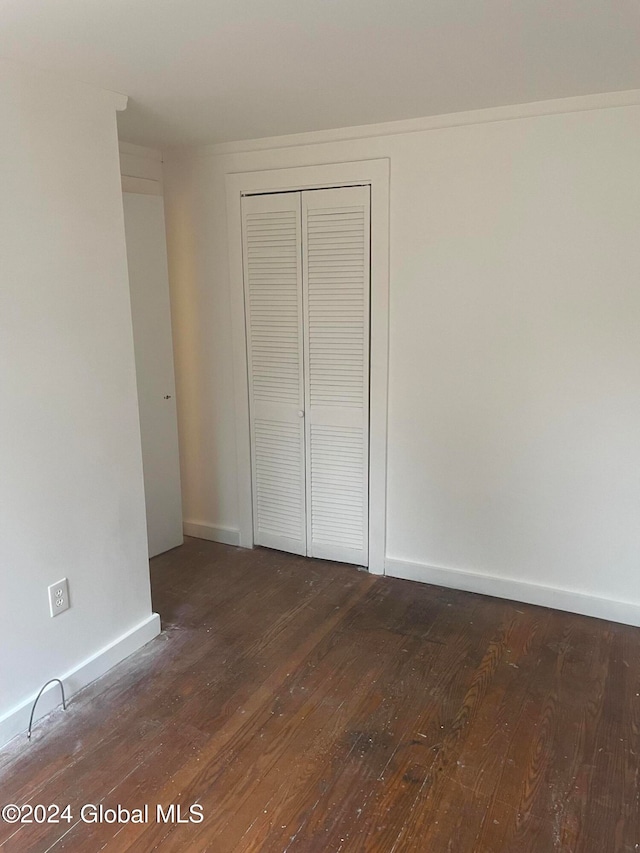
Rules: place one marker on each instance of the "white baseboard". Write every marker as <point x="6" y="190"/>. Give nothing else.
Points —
<point x="225" y="535"/>
<point x="16" y="720"/>
<point x="515" y="590"/>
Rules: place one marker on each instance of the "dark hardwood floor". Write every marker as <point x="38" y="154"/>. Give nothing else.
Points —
<point x="306" y="706"/>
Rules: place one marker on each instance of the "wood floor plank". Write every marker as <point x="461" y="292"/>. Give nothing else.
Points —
<point x="374" y="745"/>
<point x="311" y="708"/>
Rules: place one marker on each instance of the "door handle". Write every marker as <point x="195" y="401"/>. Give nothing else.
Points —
<point x="300" y="413"/>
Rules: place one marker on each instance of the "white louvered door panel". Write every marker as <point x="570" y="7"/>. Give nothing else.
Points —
<point x="273" y="299"/>
<point x="336" y="287"/>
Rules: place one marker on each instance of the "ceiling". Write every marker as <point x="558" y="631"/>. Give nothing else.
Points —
<point x="202" y="71"/>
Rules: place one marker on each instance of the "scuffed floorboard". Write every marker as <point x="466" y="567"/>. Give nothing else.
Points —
<point x="306" y="707"/>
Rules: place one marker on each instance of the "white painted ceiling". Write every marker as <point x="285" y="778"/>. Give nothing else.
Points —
<point x="200" y="71"/>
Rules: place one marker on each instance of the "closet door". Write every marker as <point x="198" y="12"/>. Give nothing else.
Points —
<point x="336" y="286"/>
<point x="273" y="294"/>
<point x="151" y="316"/>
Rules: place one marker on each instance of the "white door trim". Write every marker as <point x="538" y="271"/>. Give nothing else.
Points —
<point x="376" y="174"/>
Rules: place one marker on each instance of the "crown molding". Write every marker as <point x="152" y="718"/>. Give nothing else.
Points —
<point x="120" y="100"/>
<point x="140" y="151"/>
<point x="581" y="103"/>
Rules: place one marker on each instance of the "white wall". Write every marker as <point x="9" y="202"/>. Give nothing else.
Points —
<point x="71" y="492"/>
<point x="514" y="416"/>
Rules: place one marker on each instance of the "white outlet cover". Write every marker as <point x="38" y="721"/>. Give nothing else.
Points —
<point x="59" y="597"/>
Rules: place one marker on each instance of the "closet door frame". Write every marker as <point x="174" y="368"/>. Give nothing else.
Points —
<point x="374" y="173"/>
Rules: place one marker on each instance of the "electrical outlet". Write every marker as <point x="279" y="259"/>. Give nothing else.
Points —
<point x="59" y="597"/>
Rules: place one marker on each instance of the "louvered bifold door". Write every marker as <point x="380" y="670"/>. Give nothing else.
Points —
<point x="273" y="297"/>
<point x="336" y="238"/>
